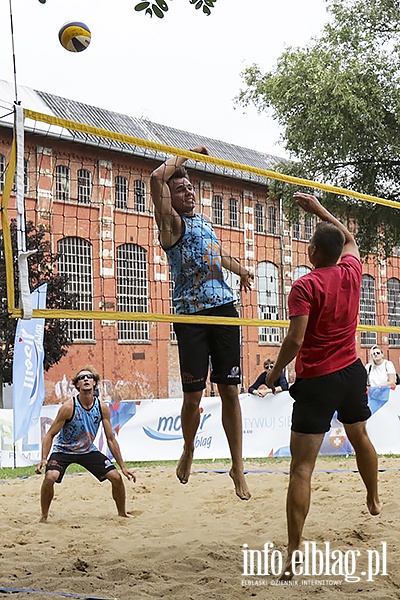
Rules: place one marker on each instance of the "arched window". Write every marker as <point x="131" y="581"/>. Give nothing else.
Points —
<point x="121" y="192"/>
<point x="84" y="186"/>
<point x="132" y="291"/>
<point x="268" y="301"/>
<point x="139" y="189"/>
<point x="272" y="220"/>
<point x="218" y="210"/>
<point x="393" y="292"/>
<point x="233" y="213"/>
<point x="300" y="271"/>
<point x="63" y="178"/>
<point x="368" y="309"/>
<point x="75" y="263"/>
<point x="259" y="218"/>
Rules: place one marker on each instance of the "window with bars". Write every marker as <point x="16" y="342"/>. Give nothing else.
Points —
<point x="3" y="294"/>
<point x="84" y="186"/>
<point x="259" y="218"/>
<point x="268" y="301"/>
<point x="63" y="183"/>
<point x="121" y="192"/>
<point x="233" y="281"/>
<point x="272" y="220"/>
<point x="2" y="171"/>
<point x="172" y="334"/>
<point x="233" y="213"/>
<point x="308" y="227"/>
<point x="393" y="292"/>
<point x="75" y="263"/>
<point x="132" y="291"/>
<point x="300" y="271"/>
<point x="139" y="189"/>
<point x="368" y="310"/>
<point x="218" y="210"/>
<point x="26" y="177"/>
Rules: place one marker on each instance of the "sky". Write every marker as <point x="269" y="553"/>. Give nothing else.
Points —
<point x="182" y="71"/>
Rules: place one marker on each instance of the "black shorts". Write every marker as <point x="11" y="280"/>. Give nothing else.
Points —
<point x="198" y="344"/>
<point x="317" y="398"/>
<point x="95" y="462"/>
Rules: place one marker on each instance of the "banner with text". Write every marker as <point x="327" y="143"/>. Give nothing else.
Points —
<point x="28" y="372"/>
<point x="151" y="429"/>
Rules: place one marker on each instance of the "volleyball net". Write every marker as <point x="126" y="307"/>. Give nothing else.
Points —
<point x="87" y="190"/>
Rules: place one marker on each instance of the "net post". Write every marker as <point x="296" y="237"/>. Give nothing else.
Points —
<point x="23" y="269"/>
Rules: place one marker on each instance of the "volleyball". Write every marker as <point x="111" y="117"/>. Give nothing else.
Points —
<point x="74" y="36"/>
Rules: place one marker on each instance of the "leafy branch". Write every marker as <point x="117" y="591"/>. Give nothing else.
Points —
<point x="160" y="7"/>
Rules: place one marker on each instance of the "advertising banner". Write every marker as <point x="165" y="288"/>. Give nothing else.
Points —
<point x="28" y="372"/>
<point x="149" y="430"/>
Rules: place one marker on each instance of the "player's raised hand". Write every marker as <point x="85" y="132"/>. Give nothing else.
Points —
<point x="200" y="150"/>
<point x="308" y="203"/>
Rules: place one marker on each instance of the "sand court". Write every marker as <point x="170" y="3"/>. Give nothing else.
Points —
<point x="186" y="542"/>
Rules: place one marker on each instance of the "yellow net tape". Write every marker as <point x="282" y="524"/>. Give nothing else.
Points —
<point x="120" y="137"/>
<point x="154" y="317"/>
<point x="98" y="315"/>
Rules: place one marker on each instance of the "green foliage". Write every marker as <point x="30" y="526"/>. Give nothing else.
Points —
<point x="338" y="100"/>
<point x="159" y="7"/>
<point x="42" y="269"/>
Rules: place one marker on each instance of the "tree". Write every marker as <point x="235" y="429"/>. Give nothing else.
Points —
<point x="159" y="7"/>
<point x="338" y="101"/>
<point x="41" y="270"/>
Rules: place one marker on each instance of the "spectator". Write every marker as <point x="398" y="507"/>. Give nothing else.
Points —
<point x="381" y="372"/>
<point x="260" y="388"/>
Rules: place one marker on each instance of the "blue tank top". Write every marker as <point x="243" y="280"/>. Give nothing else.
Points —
<point x="77" y="435"/>
<point x="195" y="263"/>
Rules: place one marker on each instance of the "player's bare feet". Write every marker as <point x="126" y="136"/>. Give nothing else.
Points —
<point x="287" y="573"/>
<point x="374" y="506"/>
<point x="241" y="489"/>
<point x="126" y="515"/>
<point x="43" y="519"/>
<point x="184" y="466"/>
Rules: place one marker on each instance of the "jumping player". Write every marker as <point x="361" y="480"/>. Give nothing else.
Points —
<point x="323" y="311"/>
<point x="196" y="259"/>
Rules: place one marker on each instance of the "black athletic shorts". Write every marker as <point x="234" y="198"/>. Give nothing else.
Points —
<point x="95" y="462"/>
<point x="317" y="399"/>
<point x="198" y="344"/>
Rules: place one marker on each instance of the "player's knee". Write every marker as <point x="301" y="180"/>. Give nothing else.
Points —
<point x="356" y="432"/>
<point x="115" y="478"/>
<point x="302" y="470"/>
<point x="51" y="476"/>
<point x="228" y="392"/>
<point x="191" y="400"/>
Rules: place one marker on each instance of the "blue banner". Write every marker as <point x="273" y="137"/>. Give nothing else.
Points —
<point x="28" y="372"/>
<point x="377" y="397"/>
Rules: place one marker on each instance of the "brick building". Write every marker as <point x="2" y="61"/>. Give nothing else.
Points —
<point x="93" y="198"/>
